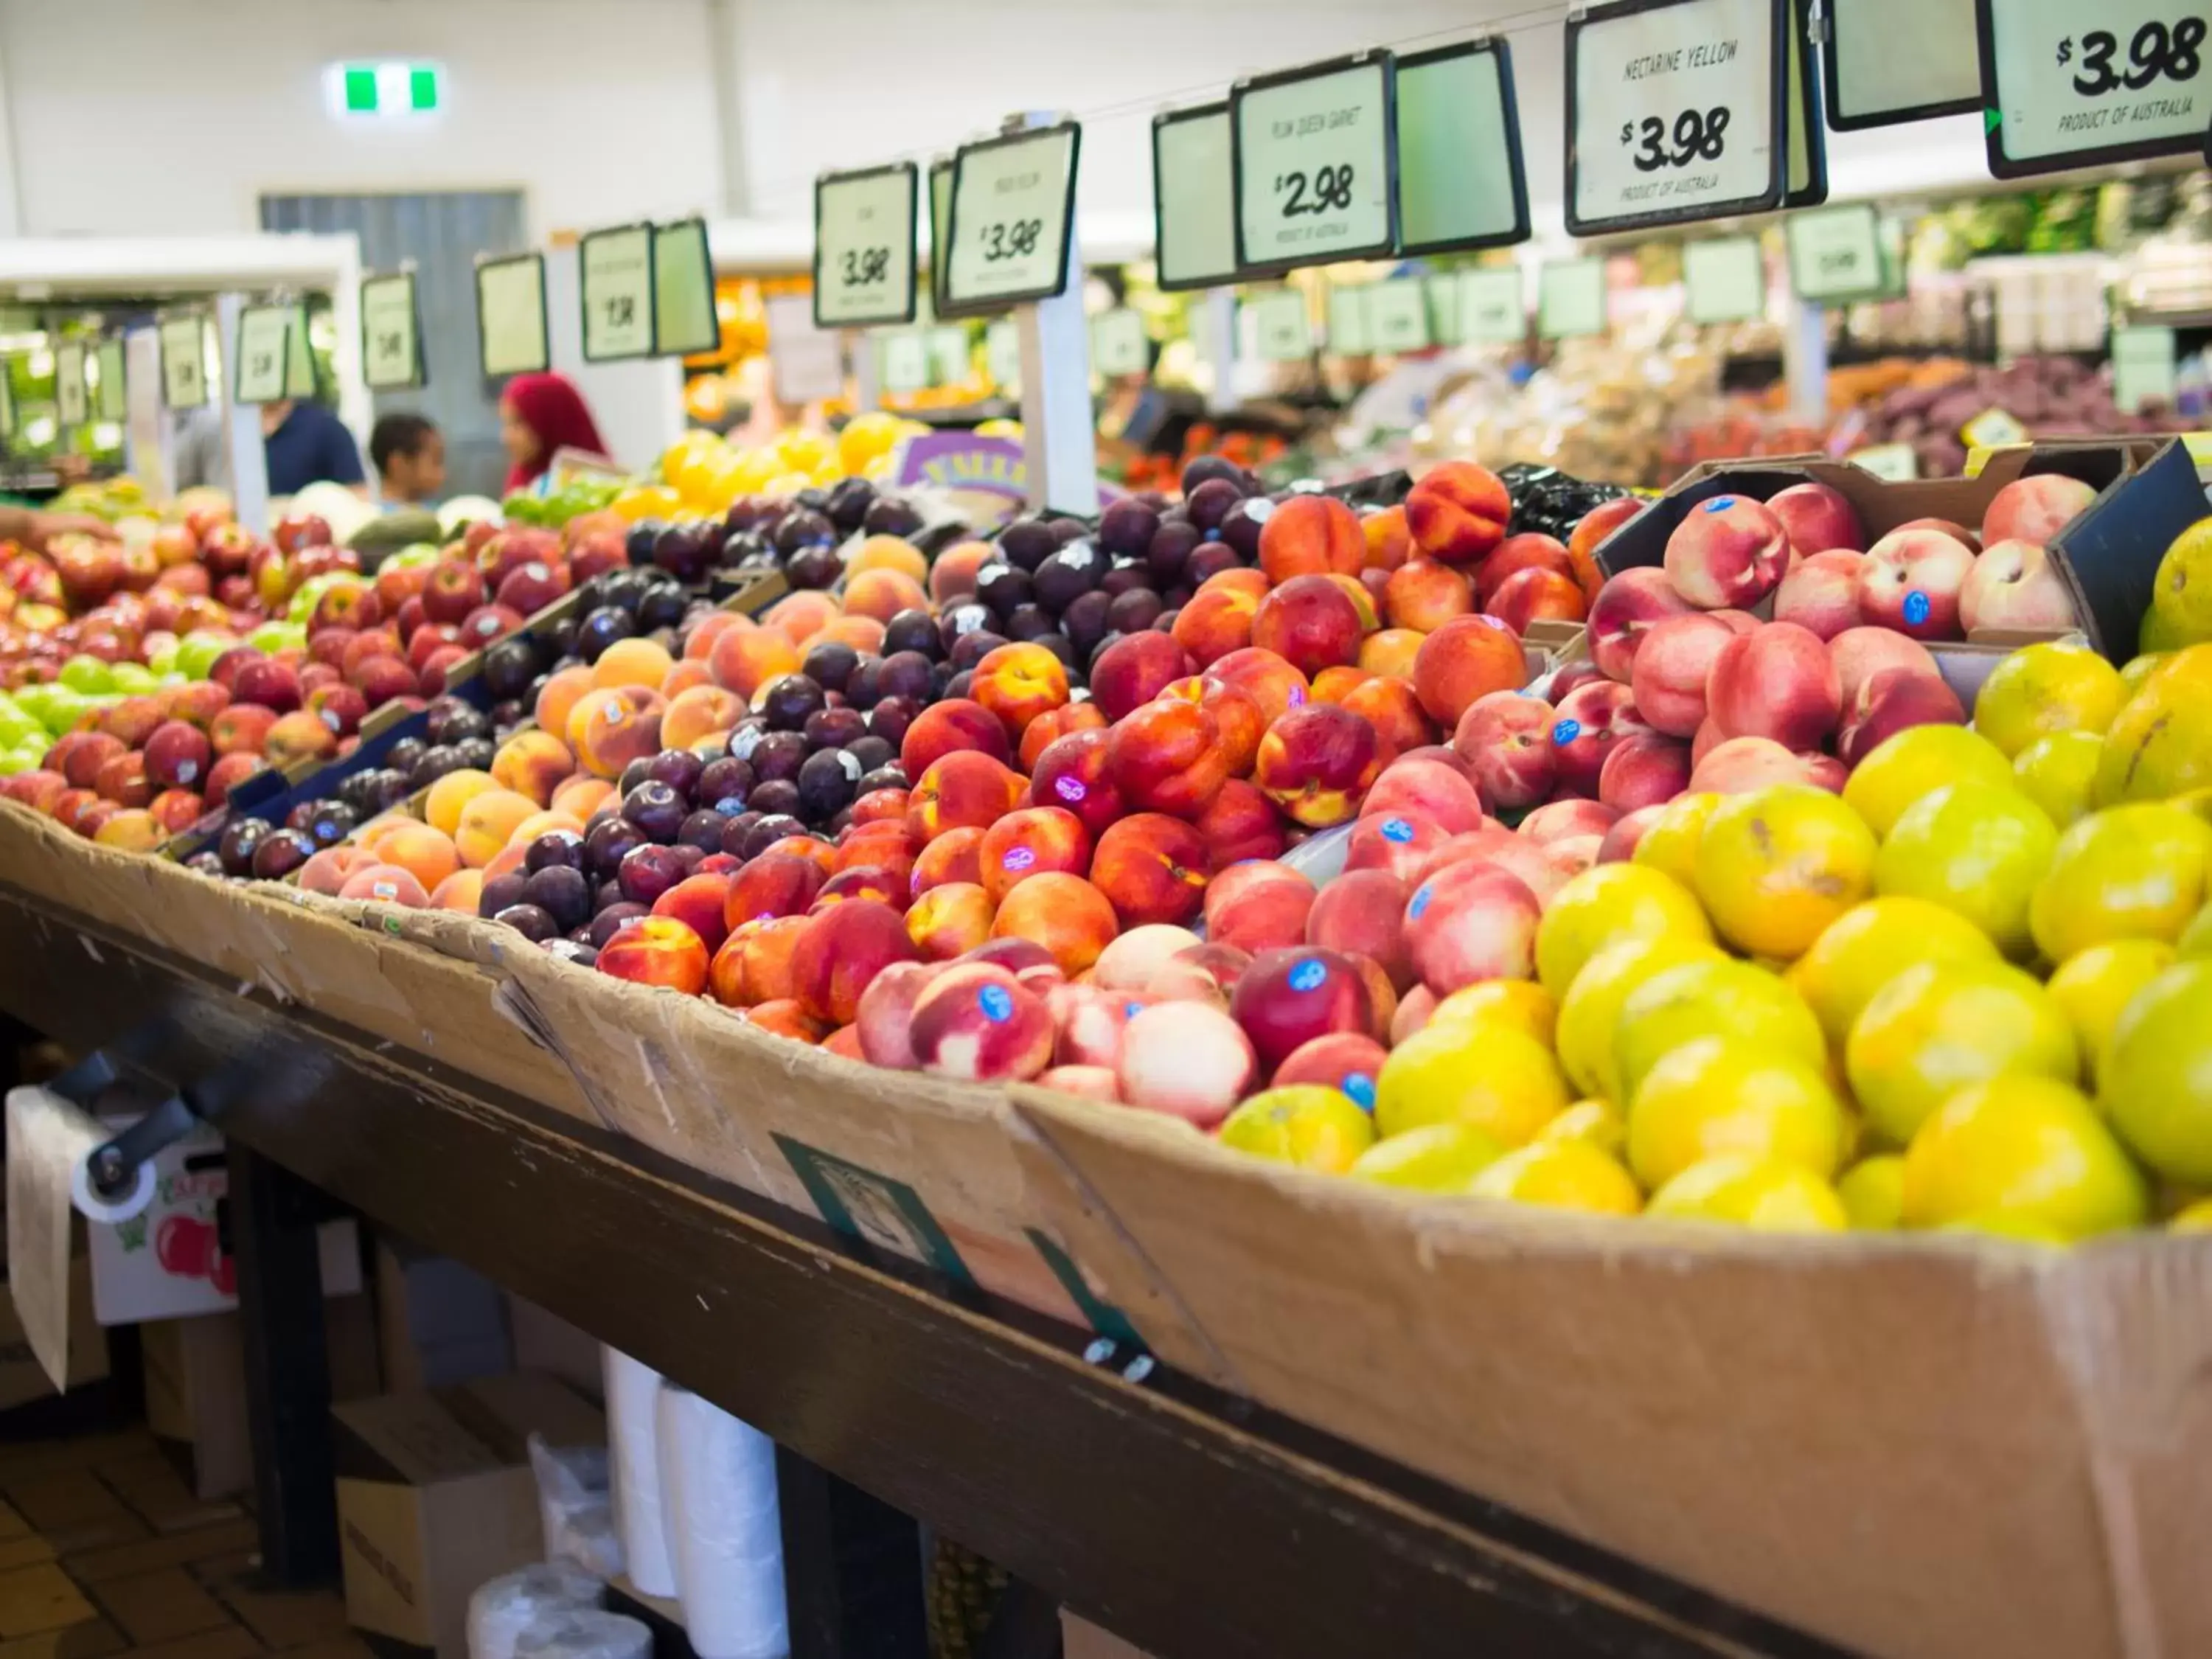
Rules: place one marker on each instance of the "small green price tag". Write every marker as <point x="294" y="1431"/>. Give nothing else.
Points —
<point x="391" y="340"/>
<point x="1724" y="279"/>
<point x="511" y="327"/>
<point x="905" y="361"/>
<point x="1118" y="343"/>
<point x="184" y="361"/>
<point x="1835" y="253"/>
<point x="1002" y="353"/>
<point x="113" y="403"/>
<point x="615" y="281"/>
<point x="1282" y="332"/>
<point x="1571" y="299"/>
<point x="1348" y="335"/>
<point x="1892" y="462"/>
<point x="263" y="342"/>
<point x="1492" y="308"/>
<point x="74" y="408"/>
<point x="949" y="359"/>
<point x="2142" y="367"/>
<point x="1398" y="315"/>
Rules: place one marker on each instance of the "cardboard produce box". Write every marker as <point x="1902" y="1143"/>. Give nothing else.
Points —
<point x="435" y="1496"/>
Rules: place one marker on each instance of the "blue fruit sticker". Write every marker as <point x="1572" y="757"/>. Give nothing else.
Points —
<point x="1720" y="503"/>
<point x="1018" y="858"/>
<point x="1397" y="830"/>
<point x="1917" y="607"/>
<point x="1131" y="1010"/>
<point x="997" y="1004"/>
<point x="1070" y="788"/>
<point x="1565" y="732"/>
<point x="1308" y="975"/>
<point x="1297" y="697"/>
<point x="1422" y="895"/>
<point x="730" y="806"/>
<point x="1361" y="1087"/>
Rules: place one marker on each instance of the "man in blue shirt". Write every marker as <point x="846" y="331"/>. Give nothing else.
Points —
<point x="306" y="444"/>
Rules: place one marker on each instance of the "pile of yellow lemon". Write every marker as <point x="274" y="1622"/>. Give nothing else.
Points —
<point x="701" y="472"/>
<point x="1974" y="992"/>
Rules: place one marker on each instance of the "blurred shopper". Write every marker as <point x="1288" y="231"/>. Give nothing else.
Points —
<point x="538" y="415"/>
<point x="409" y="454"/>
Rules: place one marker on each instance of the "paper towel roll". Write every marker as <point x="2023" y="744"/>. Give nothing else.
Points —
<point x="505" y="1608"/>
<point x="49" y="1138"/>
<point x="718" y="1489"/>
<point x="633" y="1398"/>
<point x="585" y="1634"/>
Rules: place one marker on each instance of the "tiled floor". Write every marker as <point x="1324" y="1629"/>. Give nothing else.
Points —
<point x="105" y="1551"/>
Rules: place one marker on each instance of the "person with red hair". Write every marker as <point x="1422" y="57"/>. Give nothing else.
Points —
<point x="539" y="414"/>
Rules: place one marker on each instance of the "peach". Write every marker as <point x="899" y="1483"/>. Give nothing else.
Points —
<point x="1167" y="757"/>
<point x="754" y="964"/>
<point x="1310" y="536"/>
<point x="1739" y="765"/>
<point x="1237" y="713"/>
<point x="1258" y="905"/>
<point x="557" y="698"/>
<point x="888" y="553"/>
<point x="1430" y="788"/>
<point x="1391" y="706"/>
<point x="1824" y="771"/>
<point x="442" y="807"/>
<point x="133" y="720"/>
<point x="1026" y="960"/>
<point x="1131" y="961"/>
<point x="459" y="891"/>
<point x="1031" y="842"/>
<point x="1415" y="1009"/>
<point x="1133" y="669"/>
<point x="784" y="1017"/>
<point x="1064" y="913"/>
<point x="1241" y="824"/>
<point x="1317" y="762"/>
<point x="700" y="902"/>
<point x="1526" y="551"/>
<point x="1627" y="832"/>
<point x="1887" y="702"/>
<point x="532" y="763"/>
<point x="698" y="713"/>
<point x="1017" y="682"/>
<point x="1265" y="677"/>
<point x="881" y="845"/>
<point x="1820" y="593"/>
<point x="198" y="704"/>
<point x="1505" y="739"/>
<point x="883" y="593"/>
<point x="1390" y="542"/>
<point x="699" y="640"/>
<point x="1727" y="552"/>
<point x="1362" y="913"/>
<point x="962" y="788"/>
<point x="774" y="885"/>
<point x="957" y="855"/>
<point x="1535" y="596"/>
<point x="1644" y="772"/>
<point x="1910" y="582"/>
<point x="37" y="789"/>
<point x="956" y="725"/>
<point x="2015" y="586"/>
<point x="1470" y="921"/>
<point x="1592" y="718"/>
<point x="845" y="1042"/>
<point x="1188" y="1059"/>
<point x="1860" y="653"/>
<point x="325" y="872"/>
<point x="1390" y="652"/>
<point x="744" y="660"/>
<point x="1817" y="520"/>
<point x="1423" y="594"/>
<point x="1309" y="622"/>
<point x="1088" y="1022"/>
<point x="638" y="662"/>
<point x="1590" y="532"/>
<point x="1670" y="669"/>
<point x="884" y="1025"/>
<point x="1216" y="621"/>
<point x="133" y="830"/>
<point x="2034" y="509"/>
<point x="1057" y="723"/>
<point x="296" y="737"/>
<point x="1335" y="683"/>
<point x="953" y="574"/>
<point x="799" y="617"/>
<point x="610" y="726"/>
<point x="1458" y="512"/>
<point x="82" y="811"/>
<point x="429" y="855"/>
<point x="1467" y="657"/>
<point x="1151" y="868"/>
<point x="1346" y="1061"/>
<point x="178" y="809"/>
<point x="864" y="634"/>
<point x="886" y="805"/>
<point x="1958" y="532"/>
<point x="386" y="883"/>
<point x="839" y="950"/>
<point x="1563" y="820"/>
<point x="487" y="822"/>
<point x="1777" y="683"/>
<point x="1089" y="1082"/>
<point x="1201" y="973"/>
<point x="1289" y="997"/>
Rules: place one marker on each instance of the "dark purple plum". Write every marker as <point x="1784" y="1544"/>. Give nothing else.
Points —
<point x="829" y="665"/>
<point x="241" y="836"/>
<point x="1134" y="612"/>
<point x="833" y="728"/>
<point x="531" y="921"/>
<point x="1027" y="543"/>
<point x="905" y="674"/>
<point x="607" y="843"/>
<point x="1210" y="503"/>
<point x="825" y="784"/>
<point x="771" y="828"/>
<point x="961" y="684"/>
<point x="656" y="809"/>
<point x="1242" y="525"/>
<point x="724" y="783"/>
<point x="790" y="700"/>
<point x="1123" y="577"/>
<point x="1003" y="587"/>
<point x="1027" y="622"/>
<point x="1068" y="574"/>
<point x="1126" y="527"/>
<point x="777" y="758"/>
<point x="280" y="852"/>
<point x="647" y="872"/>
<point x="686" y="552"/>
<point x="745" y="736"/>
<point x="702" y="830"/>
<point x="556" y="849"/>
<point x="611" y="917"/>
<point x="679" y="768"/>
<point x="913" y="630"/>
<point x="778" y="796"/>
<point x="871" y="751"/>
<point x="1209" y="559"/>
<point x="803" y="529"/>
<point x="601" y="628"/>
<point x="1085" y="621"/>
<point x="563" y="894"/>
<point x="1060" y="645"/>
<point x="890" y="719"/>
<point x="813" y="567"/>
<point x="1205" y="467"/>
<point x="500" y="891"/>
<point x="576" y="951"/>
<point x="966" y="617"/>
<point x="881" y="777"/>
<point x="888" y="516"/>
<point x="1170" y="546"/>
<point x="971" y="648"/>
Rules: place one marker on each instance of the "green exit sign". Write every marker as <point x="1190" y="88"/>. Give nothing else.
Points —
<point x="384" y="90"/>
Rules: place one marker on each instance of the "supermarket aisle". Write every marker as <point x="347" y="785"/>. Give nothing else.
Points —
<point x="105" y="1551"/>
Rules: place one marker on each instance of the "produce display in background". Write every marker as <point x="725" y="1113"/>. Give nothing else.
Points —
<point x="2050" y="397"/>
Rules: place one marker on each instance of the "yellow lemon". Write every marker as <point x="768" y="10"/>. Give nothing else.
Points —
<point x="1718" y="997"/>
<point x="1765" y="1195"/>
<point x="1940" y="1026"/>
<point x="2059" y="774"/>
<point x="1521" y="1004"/>
<point x="2055" y="686"/>
<point x="1594" y="1120"/>
<point x="1778" y="865"/>
<point x="2157" y="1079"/>
<point x="2161" y="743"/>
<point x="998" y="428"/>
<point x="2196" y="939"/>
<point x="1590" y="1011"/>
<point x="1307" y="1124"/>
<point x="1916" y="761"/>
<point x="2020" y="1146"/>
<point x="755" y="468"/>
<point x="2015" y="1228"/>
<point x="2094" y="987"/>
<point x="2132" y="871"/>
<point x="2192" y="1219"/>
<point x="2138" y="670"/>
<point x="1872" y="1191"/>
<point x="1869" y="945"/>
<point x="1974" y="850"/>
<point x="802" y="449"/>
<point x="864" y="437"/>
<point x="1717" y="1096"/>
<point x="1563" y="1175"/>
<point x="1670" y="845"/>
<point x="1437" y="1157"/>
<point x="1604" y="905"/>
<point x="1496" y="1079"/>
<point x="2181" y="595"/>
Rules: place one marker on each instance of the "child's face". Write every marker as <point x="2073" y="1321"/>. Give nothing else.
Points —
<point x="418" y="477"/>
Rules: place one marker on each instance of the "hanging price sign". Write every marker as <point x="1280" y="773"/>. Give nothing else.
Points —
<point x="1676" y="111"/>
<point x="1002" y="356"/>
<point x="905" y="361"/>
<point x="111" y="400"/>
<point x="1724" y="280"/>
<point x="511" y="331"/>
<point x="1281" y="332"/>
<point x="184" y="361"/>
<point x="391" y="333"/>
<point x="1193" y="198"/>
<point x="2142" y="367"/>
<point x="615" y="279"/>
<point x="2067" y="84"/>
<point x="264" y="354"/>
<point x="73" y="405"/>
<point x="1571" y="299"/>
<point x="1461" y="180"/>
<point x="1888" y="62"/>
<point x="1398" y="316"/>
<point x="684" y="320"/>
<point x="1315" y="164"/>
<point x="864" y="226"/>
<point x="1118" y="343"/>
<point x="1491" y="308"/>
<point x="1013" y="208"/>
<point x="948" y="356"/>
<point x="1347" y="322"/>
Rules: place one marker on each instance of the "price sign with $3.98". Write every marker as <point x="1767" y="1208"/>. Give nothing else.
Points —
<point x="1013" y="199"/>
<point x="2070" y="84"/>
<point x="863" y="264"/>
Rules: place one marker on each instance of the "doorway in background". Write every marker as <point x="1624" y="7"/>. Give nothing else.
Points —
<point x="442" y="231"/>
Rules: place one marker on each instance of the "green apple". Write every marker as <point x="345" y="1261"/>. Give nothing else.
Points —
<point x="162" y="661"/>
<point x="198" y="650"/>
<point x="274" y="636"/>
<point x="134" y="679"/>
<point x="13" y="761"/>
<point x="88" y="674"/>
<point x="1308" y="1124"/>
<point x="410" y="558"/>
<point x="64" y="708"/>
<point x="1436" y="1157"/>
<point x="19" y="728"/>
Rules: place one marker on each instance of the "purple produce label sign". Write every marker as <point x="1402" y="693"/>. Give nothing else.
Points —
<point x="991" y="474"/>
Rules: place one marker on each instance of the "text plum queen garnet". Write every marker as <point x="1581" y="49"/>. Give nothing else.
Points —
<point x="1711" y="55"/>
<point x="1330" y="121"/>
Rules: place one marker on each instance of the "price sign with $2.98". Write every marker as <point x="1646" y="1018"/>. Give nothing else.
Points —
<point x="1316" y="154"/>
